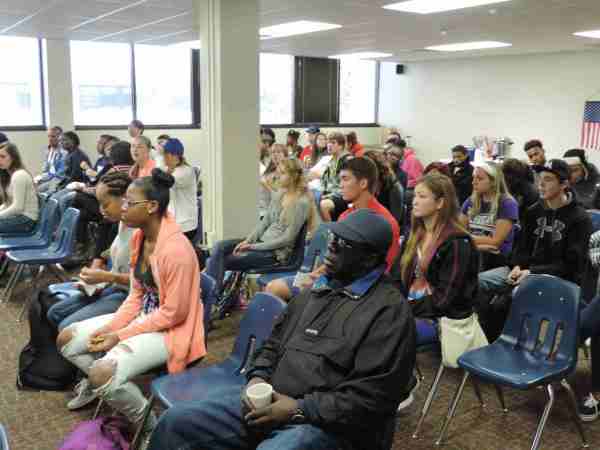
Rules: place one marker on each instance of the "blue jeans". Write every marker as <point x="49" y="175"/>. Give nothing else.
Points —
<point x="17" y="224"/>
<point x="76" y="306"/>
<point x="216" y="423"/>
<point x="64" y="197"/>
<point x="222" y="259"/>
<point x="494" y="280"/>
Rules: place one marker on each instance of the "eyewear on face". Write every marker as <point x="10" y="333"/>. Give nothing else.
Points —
<point x="129" y="203"/>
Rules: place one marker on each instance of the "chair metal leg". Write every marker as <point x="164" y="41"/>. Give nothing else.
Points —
<point x="28" y="299"/>
<point x="501" y="398"/>
<point x="540" y="429"/>
<point x="452" y="409"/>
<point x="14" y="278"/>
<point x="420" y="375"/>
<point x="573" y="407"/>
<point x="477" y="390"/>
<point x="138" y="432"/>
<point x="4" y="266"/>
<point x="429" y="400"/>
<point x="98" y="408"/>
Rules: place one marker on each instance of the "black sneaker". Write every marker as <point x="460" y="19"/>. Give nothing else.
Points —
<point x="588" y="408"/>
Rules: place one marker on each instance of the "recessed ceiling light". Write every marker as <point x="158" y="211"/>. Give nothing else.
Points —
<point x="192" y="45"/>
<point x="434" y="6"/>
<point x="294" y="28"/>
<point x="362" y="55"/>
<point x="589" y="34"/>
<point x="468" y="46"/>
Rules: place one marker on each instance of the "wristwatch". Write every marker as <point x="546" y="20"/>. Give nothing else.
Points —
<point x="298" y="417"/>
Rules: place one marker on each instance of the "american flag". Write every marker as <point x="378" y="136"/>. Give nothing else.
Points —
<point x="590" y="133"/>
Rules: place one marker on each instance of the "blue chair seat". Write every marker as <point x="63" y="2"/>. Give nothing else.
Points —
<point x="40" y="237"/>
<point x="427" y="333"/>
<point x="60" y="288"/>
<point x="501" y="364"/>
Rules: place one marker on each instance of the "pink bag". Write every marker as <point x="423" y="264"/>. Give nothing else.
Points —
<point x="105" y="433"/>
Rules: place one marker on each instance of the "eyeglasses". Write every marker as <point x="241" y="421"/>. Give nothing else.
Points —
<point x="129" y="203"/>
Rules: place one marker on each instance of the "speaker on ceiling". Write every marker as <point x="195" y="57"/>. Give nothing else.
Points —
<point x="399" y="69"/>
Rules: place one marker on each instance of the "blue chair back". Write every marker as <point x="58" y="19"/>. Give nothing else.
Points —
<point x="544" y="319"/>
<point x="256" y="325"/>
<point x="207" y="285"/>
<point x="64" y="241"/>
<point x="318" y="244"/>
<point x="296" y="258"/>
<point x="49" y="219"/>
<point x="3" y="439"/>
<point x="595" y="216"/>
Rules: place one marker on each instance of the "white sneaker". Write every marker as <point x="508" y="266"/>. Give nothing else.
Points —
<point x="588" y="409"/>
<point x="408" y="400"/>
<point x="84" y="395"/>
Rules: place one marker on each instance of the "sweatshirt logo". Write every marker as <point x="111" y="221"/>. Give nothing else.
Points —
<point x="556" y="228"/>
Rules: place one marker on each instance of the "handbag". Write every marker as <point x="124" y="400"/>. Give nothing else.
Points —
<point x="104" y="433"/>
<point x="458" y="336"/>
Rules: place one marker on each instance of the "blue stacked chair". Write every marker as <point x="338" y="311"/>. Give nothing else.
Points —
<point x="48" y="258"/>
<point x="537" y="348"/>
<point x="295" y="261"/>
<point x="3" y="439"/>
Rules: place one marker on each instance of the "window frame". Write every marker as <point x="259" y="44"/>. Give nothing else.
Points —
<point x="44" y="125"/>
<point x="195" y="90"/>
<point x="335" y="124"/>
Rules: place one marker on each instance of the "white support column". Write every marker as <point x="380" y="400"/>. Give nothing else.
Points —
<point x="58" y="76"/>
<point x="230" y="98"/>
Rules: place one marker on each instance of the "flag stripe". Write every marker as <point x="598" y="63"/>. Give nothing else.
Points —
<point x="590" y="130"/>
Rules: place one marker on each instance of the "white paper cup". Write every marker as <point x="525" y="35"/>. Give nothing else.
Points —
<point x="260" y="395"/>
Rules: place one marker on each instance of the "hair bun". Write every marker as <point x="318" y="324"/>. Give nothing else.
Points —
<point x="163" y="179"/>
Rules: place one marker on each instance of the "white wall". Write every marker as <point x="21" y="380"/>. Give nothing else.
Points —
<point x="444" y="103"/>
<point x="31" y="142"/>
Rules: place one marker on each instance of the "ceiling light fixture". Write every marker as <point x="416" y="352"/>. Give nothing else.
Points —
<point x="361" y="55"/>
<point x="295" y="28"/>
<point x="435" y="6"/>
<point x="595" y="34"/>
<point x="464" y="46"/>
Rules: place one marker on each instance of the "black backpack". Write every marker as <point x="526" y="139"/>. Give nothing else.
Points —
<point x="41" y="366"/>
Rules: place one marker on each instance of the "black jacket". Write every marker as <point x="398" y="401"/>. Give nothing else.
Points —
<point x="554" y="242"/>
<point x="462" y="178"/>
<point x="348" y="358"/>
<point x="73" y="170"/>
<point x="452" y="275"/>
<point x="526" y="196"/>
<point x="586" y="190"/>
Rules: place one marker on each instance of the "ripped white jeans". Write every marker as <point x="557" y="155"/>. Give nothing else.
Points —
<point x="131" y="357"/>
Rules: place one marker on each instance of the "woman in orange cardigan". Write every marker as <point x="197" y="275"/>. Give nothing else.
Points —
<point x="161" y="319"/>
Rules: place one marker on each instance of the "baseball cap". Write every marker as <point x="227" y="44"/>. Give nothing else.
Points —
<point x="174" y="147"/>
<point x="557" y="166"/>
<point x="365" y="228"/>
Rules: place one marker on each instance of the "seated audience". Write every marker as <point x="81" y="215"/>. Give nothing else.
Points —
<point x="536" y="155"/>
<point x="332" y="203"/>
<point x="437" y="270"/>
<point x="161" y="321"/>
<point x="461" y="173"/>
<point x="438" y="168"/>
<point x="140" y="153"/>
<point x="157" y="153"/>
<point x="19" y="208"/>
<point x="317" y="153"/>
<point x="490" y="215"/>
<point x="553" y="240"/>
<point x="114" y="283"/>
<point x="409" y="163"/>
<point x="311" y="138"/>
<point x="184" y="204"/>
<point x="353" y="145"/>
<point x="519" y="180"/>
<point x="269" y="181"/>
<point x="135" y="128"/>
<point x="584" y="178"/>
<point x="267" y="139"/>
<point x="102" y="164"/>
<point x="294" y="150"/>
<point x="340" y="359"/>
<point x="54" y="162"/>
<point x="75" y="156"/>
<point x="358" y="181"/>
<point x="273" y="240"/>
<point x="393" y="153"/>
<point x="386" y="180"/>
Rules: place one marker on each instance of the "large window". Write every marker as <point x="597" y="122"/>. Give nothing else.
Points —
<point x="114" y="83"/>
<point x="276" y="88"/>
<point x="163" y="85"/>
<point x="101" y="83"/>
<point x="358" y="78"/>
<point x="20" y="82"/>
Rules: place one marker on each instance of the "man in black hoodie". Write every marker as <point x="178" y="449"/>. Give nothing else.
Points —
<point x="461" y="172"/>
<point x="553" y="240"/>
